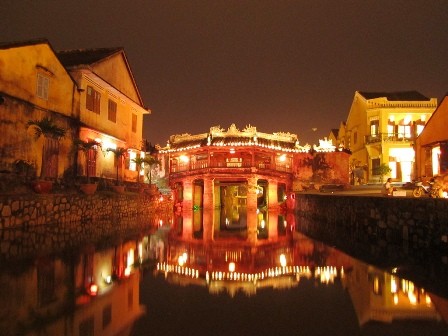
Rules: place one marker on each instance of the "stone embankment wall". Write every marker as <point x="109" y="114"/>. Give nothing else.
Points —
<point x="383" y="225"/>
<point x="34" y="223"/>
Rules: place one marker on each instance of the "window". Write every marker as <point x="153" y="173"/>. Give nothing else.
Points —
<point x="419" y="126"/>
<point x="93" y="99"/>
<point x="134" y="123"/>
<point x="374" y="128"/>
<point x="112" y="111"/>
<point x="404" y="128"/>
<point x="132" y="164"/>
<point x="391" y="128"/>
<point x="355" y="138"/>
<point x="43" y="83"/>
<point x="404" y="131"/>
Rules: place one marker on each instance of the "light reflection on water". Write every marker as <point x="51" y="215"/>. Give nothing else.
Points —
<point x="160" y="285"/>
<point x="300" y="287"/>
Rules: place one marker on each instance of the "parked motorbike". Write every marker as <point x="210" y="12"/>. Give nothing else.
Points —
<point x="432" y="190"/>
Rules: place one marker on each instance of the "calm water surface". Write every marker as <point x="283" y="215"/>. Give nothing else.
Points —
<point x="158" y="286"/>
<point x="318" y="291"/>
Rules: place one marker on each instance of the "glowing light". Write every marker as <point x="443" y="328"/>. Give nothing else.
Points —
<point x="407" y="119"/>
<point x="231" y="267"/>
<point x="182" y="259"/>
<point x="412" y="298"/>
<point x="282" y="260"/>
<point x="282" y="158"/>
<point x="109" y="145"/>
<point x="393" y="285"/>
<point x="184" y="158"/>
<point x="232" y="150"/>
<point x="93" y="289"/>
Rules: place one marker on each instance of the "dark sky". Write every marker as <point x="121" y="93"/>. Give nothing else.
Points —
<point x="287" y="66"/>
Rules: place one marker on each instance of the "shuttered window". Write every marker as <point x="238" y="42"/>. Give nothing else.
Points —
<point x="112" y="111"/>
<point x="93" y="99"/>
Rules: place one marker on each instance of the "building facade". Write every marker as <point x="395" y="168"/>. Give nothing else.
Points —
<point x="35" y="85"/>
<point x="90" y="94"/>
<point x="432" y="145"/>
<point x="111" y="109"/>
<point x="381" y="129"/>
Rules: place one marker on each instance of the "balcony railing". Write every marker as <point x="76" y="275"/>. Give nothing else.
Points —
<point x="389" y="137"/>
<point x="203" y="164"/>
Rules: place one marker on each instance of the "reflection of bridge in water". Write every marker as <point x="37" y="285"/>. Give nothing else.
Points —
<point x="377" y="295"/>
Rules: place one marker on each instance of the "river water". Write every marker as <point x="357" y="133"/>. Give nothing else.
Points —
<point x="290" y="288"/>
<point x="158" y="285"/>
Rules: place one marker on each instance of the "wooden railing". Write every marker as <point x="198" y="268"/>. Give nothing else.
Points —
<point x="203" y="164"/>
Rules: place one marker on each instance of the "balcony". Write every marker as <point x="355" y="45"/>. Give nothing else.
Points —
<point x="389" y="137"/>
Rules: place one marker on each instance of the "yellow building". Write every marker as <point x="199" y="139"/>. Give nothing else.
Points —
<point x="111" y="109"/>
<point x="34" y="85"/>
<point x="89" y="94"/>
<point x="381" y="129"/>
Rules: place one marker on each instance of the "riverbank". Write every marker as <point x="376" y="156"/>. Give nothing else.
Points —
<point x="40" y="223"/>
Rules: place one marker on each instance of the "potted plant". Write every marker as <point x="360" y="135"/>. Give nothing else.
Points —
<point x="118" y="152"/>
<point x="86" y="146"/>
<point x="46" y="128"/>
<point x="382" y="170"/>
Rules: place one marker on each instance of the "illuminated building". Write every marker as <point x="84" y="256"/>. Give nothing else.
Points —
<point x="381" y="128"/>
<point x="380" y="296"/>
<point x="110" y="109"/>
<point x="91" y="94"/>
<point x="96" y="292"/>
<point x="232" y="183"/>
<point x="432" y="145"/>
<point x="34" y="84"/>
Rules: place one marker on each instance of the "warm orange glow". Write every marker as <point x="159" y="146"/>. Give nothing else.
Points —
<point x="393" y="285"/>
<point x="282" y="260"/>
<point x="184" y="158"/>
<point x="231" y="267"/>
<point x="93" y="289"/>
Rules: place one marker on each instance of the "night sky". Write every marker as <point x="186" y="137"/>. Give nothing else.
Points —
<point x="288" y="66"/>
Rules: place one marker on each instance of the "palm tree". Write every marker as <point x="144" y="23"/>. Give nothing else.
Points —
<point x="86" y="146"/>
<point x="119" y="152"/>
<point x="49" y="130"/>
<point x="150" y="161"/>
<point x="139" y="161"/>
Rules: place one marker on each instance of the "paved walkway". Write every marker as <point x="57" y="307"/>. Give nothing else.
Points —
<point x="361" y="190"/>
